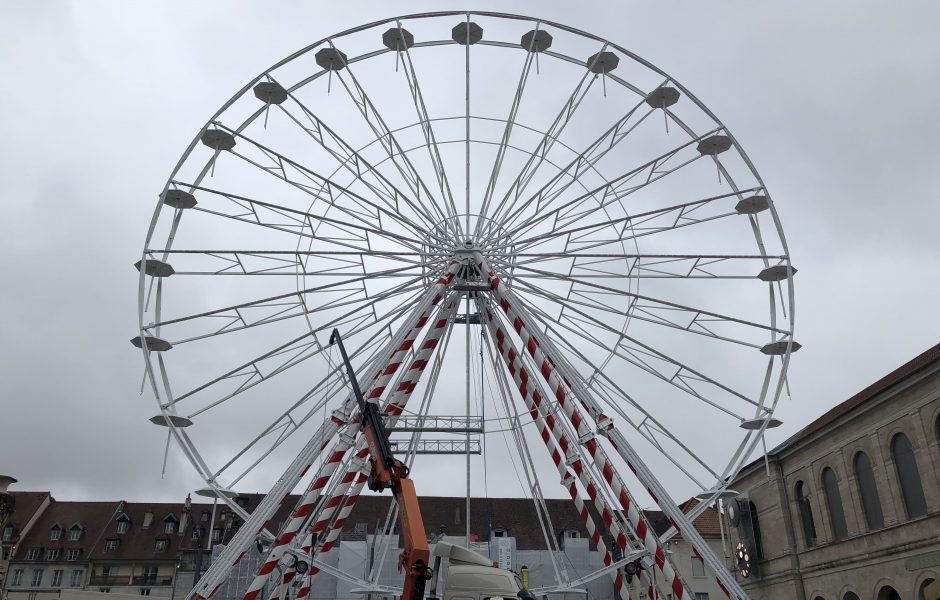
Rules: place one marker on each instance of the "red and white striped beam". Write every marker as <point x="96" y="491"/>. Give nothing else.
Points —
<point x="637" y="520"/>
<point x="554" y="438"/>
<point x="383" y="375"/>
<point x="394" y="406"/>
<point x="562" y="388"/>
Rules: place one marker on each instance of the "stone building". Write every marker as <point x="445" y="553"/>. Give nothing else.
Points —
<point x="27" y="508"/>
<point x="849" y="507"/>
<point x="120" y="547"/>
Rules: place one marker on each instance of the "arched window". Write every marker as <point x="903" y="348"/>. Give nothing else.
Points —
<point x="834" y="504"/>
<point x="868" y="491"/>
<point x="930" y="588"/>
<point x="806" y="514"/>
<point x="911" y="489"/>
<point x="850" y="596"/>
<point x="888" y="593"/>
<point x="755" y="528"/>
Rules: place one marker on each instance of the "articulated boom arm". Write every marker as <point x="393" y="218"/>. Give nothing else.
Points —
<point x="389" y="472"/>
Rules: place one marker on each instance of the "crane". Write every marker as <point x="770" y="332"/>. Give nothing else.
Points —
<point x="390" y="473"/>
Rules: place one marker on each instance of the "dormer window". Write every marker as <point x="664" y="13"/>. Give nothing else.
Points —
<point x="75" y="532"/>
<point x="205" y="516"/>
<point x="72" y="554"/>
<point x="148" y="519"/>
<point x="55" y="534"/>
<point x="33" y="553"/>
<point x="217" y="535"/>
<point x="8" y="533"/>
<point x="52" y="554"/>
<point x="111" y="545"/>
<point x="169" y="524"/>
<point x="161" y="545"/>
<point x="123" y="524"/>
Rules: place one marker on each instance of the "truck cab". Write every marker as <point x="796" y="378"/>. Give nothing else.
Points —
<point x="469" y="576"/>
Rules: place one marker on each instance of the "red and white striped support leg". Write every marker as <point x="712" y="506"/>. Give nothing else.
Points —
<point x="556" y="383"/>
<point x="561" y="387"/>
<point x="337" y="528"/>
<point x="302" y="513"/>
<point x="394" y="407"/>
<point x="553" y="437"/>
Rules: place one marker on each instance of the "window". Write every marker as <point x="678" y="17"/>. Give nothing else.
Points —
<point x="72" y="554"/>
<point x="123" y="524"/>
<point x="806" y="514"/>
<point x="888" y="593"/>
<point x="161" y="545"/>
<point x="111" y="545"/>
<point x="834" y="504"/>
<point x="500" y="533"/>
<point x="76" y="580"/>
<point x="217" y="534"/>
<point x="868" y="491"/>
<point x="701" y="595"/>
<point x="144" y="591"/>
<point x="197" y="533"/>
<point x="150" y="573"/>
<point x="17" y="578"/>
<point x="105" y="590"/>
<point x="169" y="525"/>
<point x="698" y="567"/>
<point x="57" y="578"/>
<point x="55" y="534"/>
<point x="52" y="554"/>
<point x="37" y="578"/>
<point x="755" y="529"/>
<point x="911" y="489"/>
<point x="105" y="571"/>
<point x="6" y="553"/>
<point x="205" y="516"/>
<point x="148" y="520"/>
<point x="33" y="553"/>
<point x="8" y="533"/>
<point x="75" y="533"/>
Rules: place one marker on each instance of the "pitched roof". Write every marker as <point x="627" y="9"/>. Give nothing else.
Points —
<point x="26" y="505"/>
<point x="706" y="523"/>
<point x="919" y="362"/>
<point x="93" y="516"/>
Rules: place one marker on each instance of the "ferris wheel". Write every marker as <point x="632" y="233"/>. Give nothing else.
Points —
<point x="521" y="229"/>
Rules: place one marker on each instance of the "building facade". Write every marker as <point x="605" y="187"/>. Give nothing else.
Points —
<point x="849" y="507"/>
<point x="161" y="549"/>
<point x="27" y="508"/>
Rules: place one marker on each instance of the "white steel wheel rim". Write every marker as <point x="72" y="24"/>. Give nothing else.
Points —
<point x="604" y="307"/>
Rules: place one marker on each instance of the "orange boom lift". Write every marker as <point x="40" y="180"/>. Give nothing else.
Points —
<point x="390" y="473"/>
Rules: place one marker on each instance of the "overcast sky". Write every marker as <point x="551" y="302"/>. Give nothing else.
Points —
<point x="835" y="102"/>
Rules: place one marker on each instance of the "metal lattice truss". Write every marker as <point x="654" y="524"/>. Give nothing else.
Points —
<point x="504" y="216"/>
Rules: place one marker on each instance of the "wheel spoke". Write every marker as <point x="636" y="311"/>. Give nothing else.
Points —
<point x="330" y="194"/>
<point x="427" y="130"/>
<point x="613" y="191"/>
<point x="538" y="154"/>
<point x="392" y="148"/>
<point x="353" y="162"/>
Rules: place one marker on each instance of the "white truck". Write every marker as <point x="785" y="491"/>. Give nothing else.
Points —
<point x="469" y="576"/>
